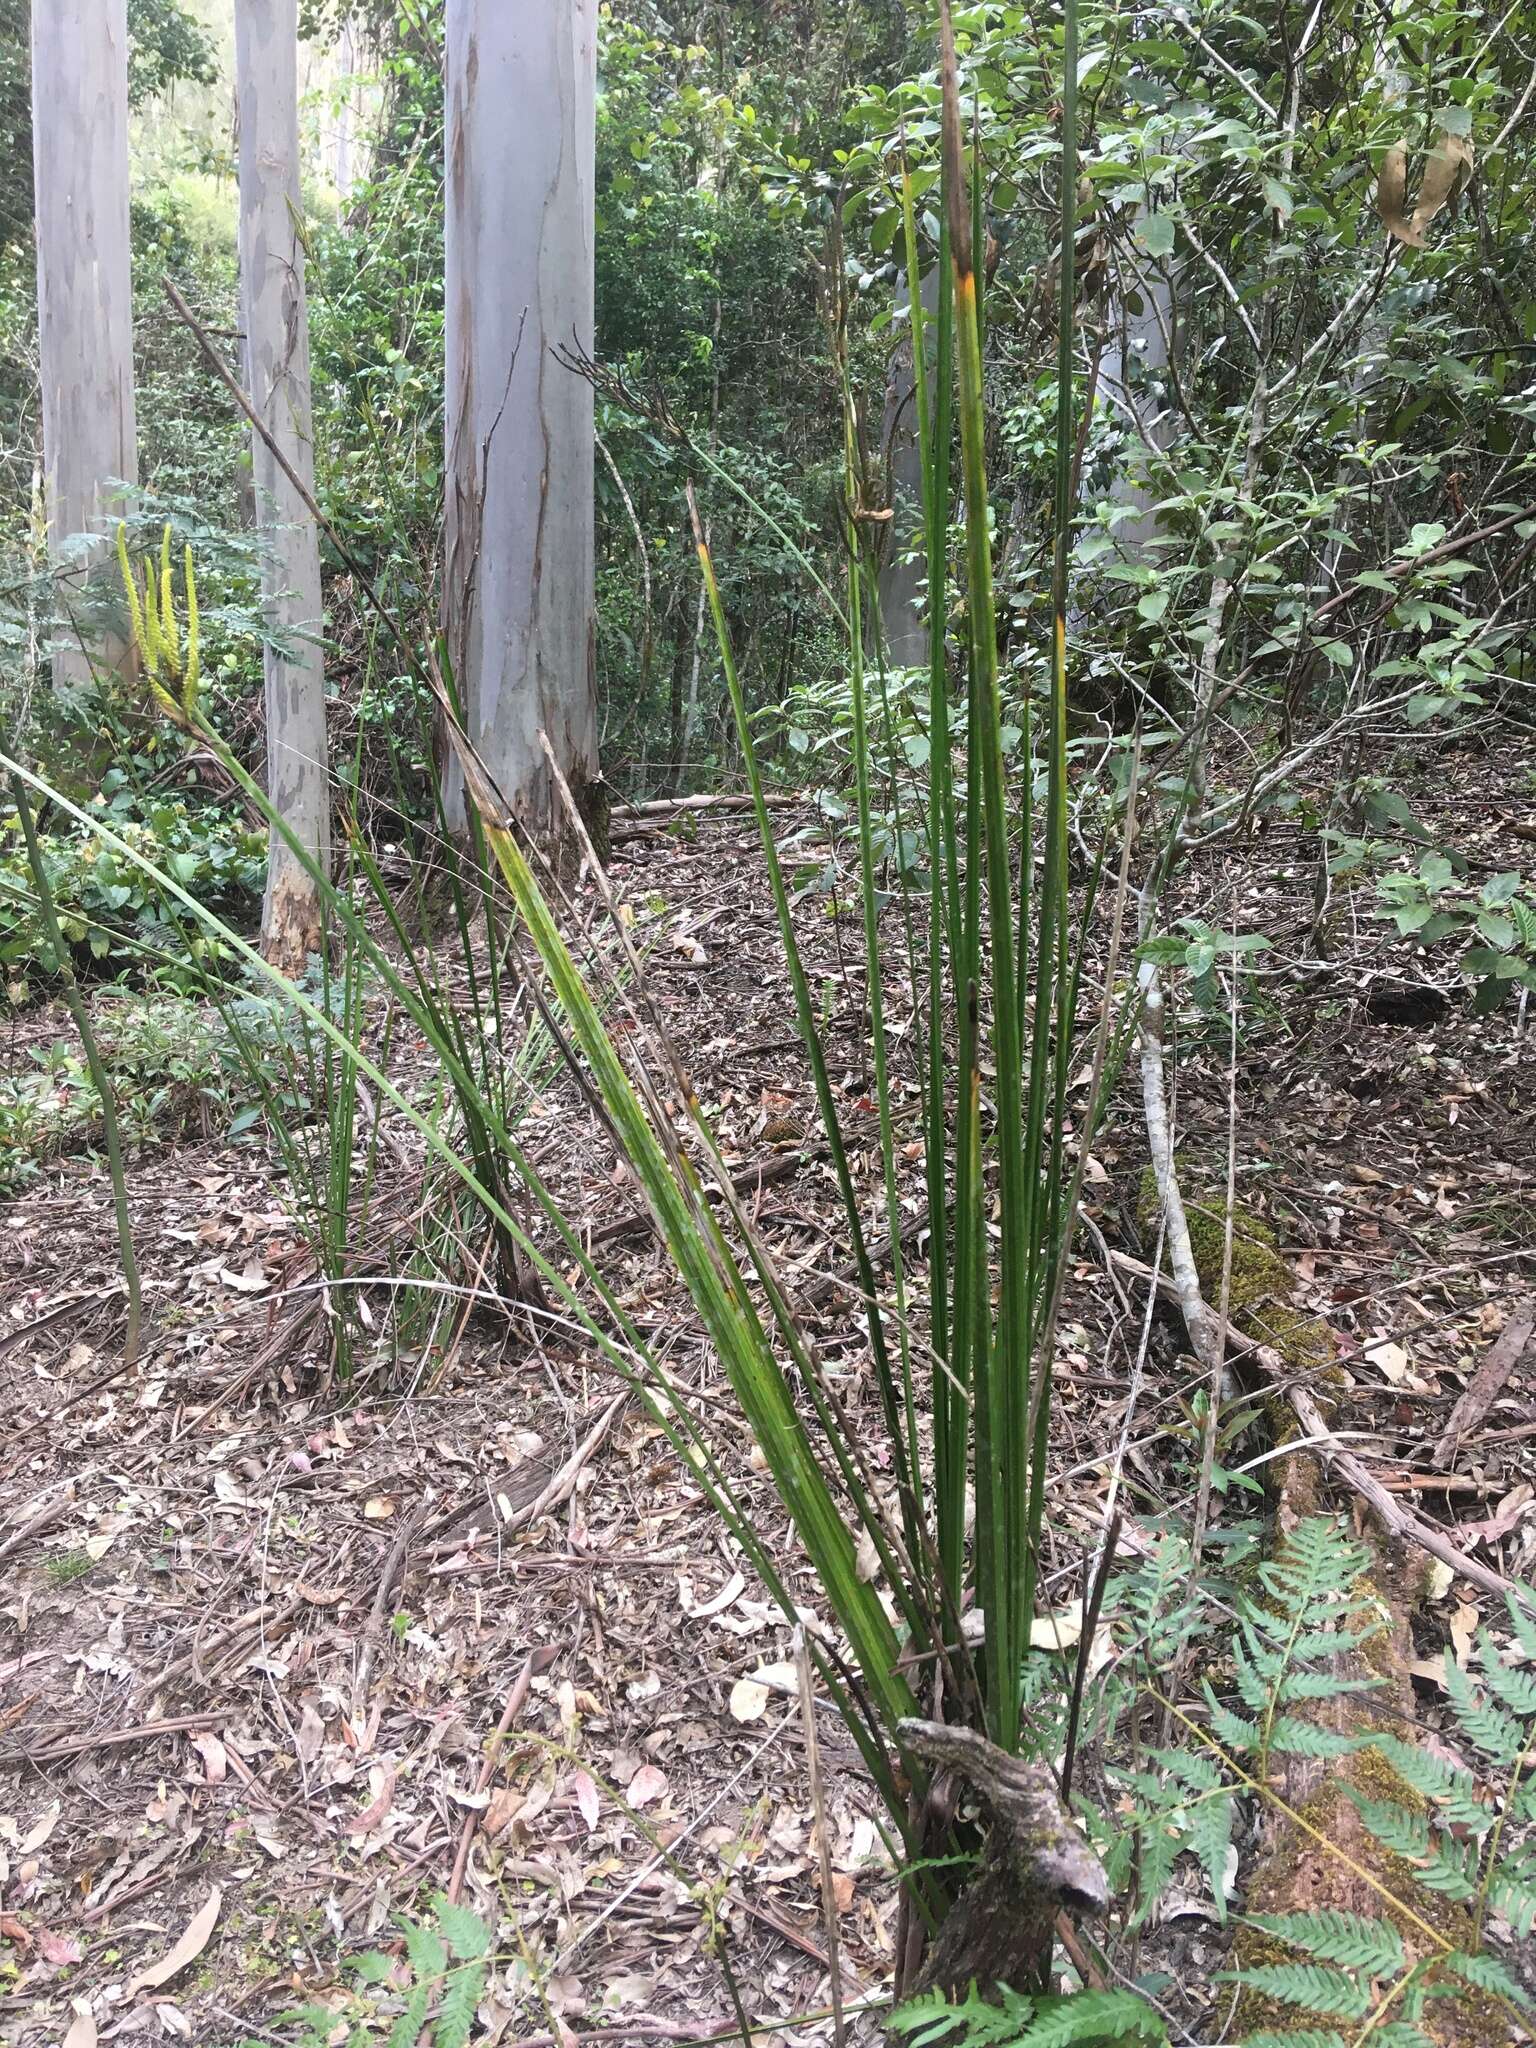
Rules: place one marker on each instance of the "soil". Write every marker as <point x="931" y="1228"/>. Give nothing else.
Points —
<point x="257" y="1626"/>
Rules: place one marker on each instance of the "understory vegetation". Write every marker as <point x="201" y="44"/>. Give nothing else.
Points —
<point x="885" y="1390"/>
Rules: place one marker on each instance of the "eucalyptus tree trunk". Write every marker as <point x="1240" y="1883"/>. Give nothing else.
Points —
<point x="903" y="611"/>
<point x="277" y="376"/>
<point x="518" y="546"/>
<point x="84" y="283"/>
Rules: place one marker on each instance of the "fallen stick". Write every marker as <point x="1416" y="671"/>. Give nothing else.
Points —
<point x="515" y="1700"/>
<point x="117" y="1738"/>
<point x="1488" y="1382"/>
<point x="681" y="806"/>
<point x="1324" y="1443"/>
<point x="746" y="1181"/>
<point x="1402" y="1521"/>
<point x="374" y="1627"/>
<point x="561" y="1486"/>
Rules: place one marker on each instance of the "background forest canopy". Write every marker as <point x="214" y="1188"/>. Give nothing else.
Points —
<point x="748" y="257"/>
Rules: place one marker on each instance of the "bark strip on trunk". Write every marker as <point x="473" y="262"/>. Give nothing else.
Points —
<point x="277" y="377"/>
<point x="84" y="282"/>
<point x="518" y="541"/>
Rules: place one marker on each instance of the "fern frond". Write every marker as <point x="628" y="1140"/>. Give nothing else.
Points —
<point x="1498" y="1735"/>
<point x="1521" y="1602"/>
<point x="1108" y="2017"/>
<point x="1310" y="1986"/>
<point x="1293" y="2038"/>
<point x="932" y="2017"/>
<point x="1210" y="1837"/>
<point x="465" y="1932"/>
<point x="1343" y="1938"/>
<point x="1322" y="1685"/>
<point x="192" y="679"/>
<point x="461" y="1997"/>
<point x="413" y="2017"/>
<point x="1517" y="1689"/>
<point x="1453" y="1791"/>
<point x="1231" y="1729"/>
<point x="1401" y="2034"/>
<point x="171" y="638"/>
<point x="424" y="1946"/>
<point x="1514" y="1895"/>
<point x="1298" y="2037"/>
<point x="1486" y="1973"/>
<point x="1293" y="1737"/>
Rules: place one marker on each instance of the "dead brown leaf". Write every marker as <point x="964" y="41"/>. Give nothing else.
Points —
<point x="191" y="1945"/>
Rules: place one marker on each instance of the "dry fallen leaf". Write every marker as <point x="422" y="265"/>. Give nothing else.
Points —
<point x="1059" y="1631"/>
<point x="586" y="1798"/>
<point x="58" y="1948"/>
<point x="310" y="1734"/>
<point x="503" y="1808"/>
<point x="383" y="1781"/>
<point x="39" y="1832"/>
<point x="777" y="1677"/>
<point x="379" y="1508"/>
<point x="1463" y="1627"/>
<point x="82" y="2028"/>
<point x="215" y="1759"/>
<point x="1390" y="1359"/>
<point x="749" y="1700"/>
<point x="646" y="1786"/>
<point x="251" y="1279"/>
<point x="186" y="1950"/>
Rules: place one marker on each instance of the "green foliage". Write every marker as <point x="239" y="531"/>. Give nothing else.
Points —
<point x="1495" y="924"/>
<point x="110" y="911"/>
<point x="1094" y="2019"/>
<point x="437" y="1986"/>
<point x="1465" y="1844"/>
<point x="176" y="1068"/>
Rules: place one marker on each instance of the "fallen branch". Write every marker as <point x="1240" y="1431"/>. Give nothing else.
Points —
<point x="560" y="1487"/>
<point x="1324" y="1442"/>
<point x="746" y="1181"/>
<point x="118" y="1738"/>
<point x="515" y="1701"/>
<point x="1488" y="1382"/>
<point x="1402" y="1521"/>
<point x="374" y="1627"/>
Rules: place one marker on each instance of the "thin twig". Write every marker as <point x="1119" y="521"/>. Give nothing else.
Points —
<point x="509" y="1713"/>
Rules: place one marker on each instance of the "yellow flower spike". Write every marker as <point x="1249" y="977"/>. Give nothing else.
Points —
<point x="172" y="637"/>
<point x="190" y="681"/>
<point x="151" y="626"/>
<point x="131" y="590"/>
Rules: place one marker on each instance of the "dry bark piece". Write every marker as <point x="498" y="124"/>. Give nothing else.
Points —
<point x="1035" y="1865"/>
<point x="1488" y="1382"/>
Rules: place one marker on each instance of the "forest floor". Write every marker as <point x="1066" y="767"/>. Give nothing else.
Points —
<point x="256" y="1630"/>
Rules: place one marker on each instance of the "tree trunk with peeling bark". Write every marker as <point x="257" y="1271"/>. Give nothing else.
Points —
<point x="84" y="285"/>
<point x="518" y="547"/>
<point x="277" y="376"/>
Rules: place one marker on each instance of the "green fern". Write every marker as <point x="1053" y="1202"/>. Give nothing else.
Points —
<point x="461" y="1997"/>
<point x="1343" y="1938"/>
<point x="1088" y="2019"/>
<point x="1300" y="2037"/>
<point x="413" y="2017"/>
<point x="932" y="2019"/>
<point x="1314" y="1987"/>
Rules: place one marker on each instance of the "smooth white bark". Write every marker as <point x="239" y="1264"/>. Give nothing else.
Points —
<point x="903" y="570"/>
<point x="84" y="280"/>
<point x="277" y="377"/>
<point x="518" y="544"/>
